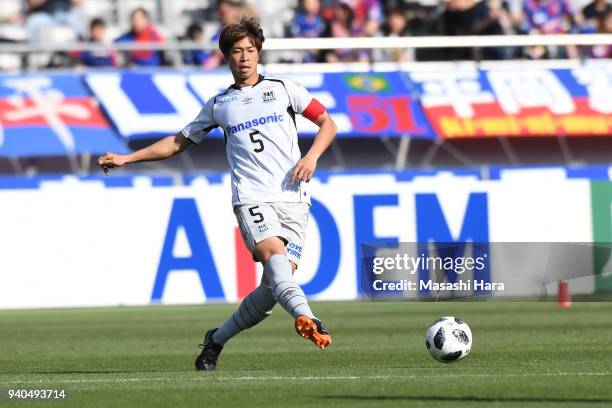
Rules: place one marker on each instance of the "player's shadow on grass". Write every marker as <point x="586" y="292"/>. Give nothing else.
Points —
<point x="464" y="399"/>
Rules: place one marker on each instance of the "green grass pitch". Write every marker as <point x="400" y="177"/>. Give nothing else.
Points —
<point x="524" y="355"/>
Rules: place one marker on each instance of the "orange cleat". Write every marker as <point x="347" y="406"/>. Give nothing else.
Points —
<point x="313" y="330"/>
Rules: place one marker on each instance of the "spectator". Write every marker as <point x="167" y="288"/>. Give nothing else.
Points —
<point x="341" y="26"/>
<point x="9" y="17"/>
<point x="142" y="32"/>
<point x="596" y="11"/>
<point x="197" y="56"/>
<point x="367" y="16"/>
<point x="48" y="13"/>
<point x="548" y="17"/>
<point x="421" y="22"/>
<point x="604" y="27"/>
<point x="308" y="23"/>
<point x="395" y="25"/>
<point x="500" y="11"/>
<point x="10" y="62"/>
<point x="471" y="17"/>
<point x="102" y="58"/>
<point x="228" y="12"/>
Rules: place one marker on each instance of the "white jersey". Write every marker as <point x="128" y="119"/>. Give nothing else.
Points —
<point x="260" y="137"/>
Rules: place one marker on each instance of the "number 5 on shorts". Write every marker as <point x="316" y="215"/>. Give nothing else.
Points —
<point x="254" y="213"/>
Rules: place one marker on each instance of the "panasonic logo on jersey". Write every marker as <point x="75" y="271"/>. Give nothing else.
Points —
<point x="254" y="122"/>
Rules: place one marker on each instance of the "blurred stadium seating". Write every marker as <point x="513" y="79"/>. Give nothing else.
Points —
<point x="424" y="17"/>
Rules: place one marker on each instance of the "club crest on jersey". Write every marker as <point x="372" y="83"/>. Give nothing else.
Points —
<point x="268" y="96"/>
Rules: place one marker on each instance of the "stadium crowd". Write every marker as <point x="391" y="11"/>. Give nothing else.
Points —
<point x="62" y="21"/>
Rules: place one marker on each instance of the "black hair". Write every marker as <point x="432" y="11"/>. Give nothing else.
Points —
<point x="193" y="30"/>
<point x="231" y="34"/>
<point x="97" y="22"/>
<point x="142" y="10"/>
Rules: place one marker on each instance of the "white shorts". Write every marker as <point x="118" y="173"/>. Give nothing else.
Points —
<point x="288" y="221"/>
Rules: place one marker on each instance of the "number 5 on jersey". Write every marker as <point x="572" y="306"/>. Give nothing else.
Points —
<point x="258" y="142"/>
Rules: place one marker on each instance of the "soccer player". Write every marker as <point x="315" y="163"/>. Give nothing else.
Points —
<point x="269" y="195"/>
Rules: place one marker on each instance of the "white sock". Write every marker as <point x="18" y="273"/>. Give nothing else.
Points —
<point x="254" y="308"/>
<point x="286" y="292"/>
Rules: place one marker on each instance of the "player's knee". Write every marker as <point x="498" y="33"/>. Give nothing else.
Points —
<point x="270" y="246"/>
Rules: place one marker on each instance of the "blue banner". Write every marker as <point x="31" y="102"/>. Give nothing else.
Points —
<point x="99" y="111"/>
<point x="52" y="115"/>
<point x="142" y="105"/>
<point x="516" y="100"/>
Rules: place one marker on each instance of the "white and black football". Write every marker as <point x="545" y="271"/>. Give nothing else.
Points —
<point x="449" y="339"/>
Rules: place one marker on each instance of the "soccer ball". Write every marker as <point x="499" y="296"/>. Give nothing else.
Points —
<point x="449" y="339"/>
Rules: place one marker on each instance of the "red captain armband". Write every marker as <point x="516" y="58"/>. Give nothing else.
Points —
<point x="313" y="110"/>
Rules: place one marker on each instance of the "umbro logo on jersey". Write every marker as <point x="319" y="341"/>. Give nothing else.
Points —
<point x="268" y="96"/>
<point x="246" y="100"/>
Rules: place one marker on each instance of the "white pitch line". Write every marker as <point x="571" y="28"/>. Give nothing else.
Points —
<point x="310" y="378"/>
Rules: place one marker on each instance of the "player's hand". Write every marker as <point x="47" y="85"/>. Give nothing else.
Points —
<point x="304" y="169"/>
<point x="111" y="160"/>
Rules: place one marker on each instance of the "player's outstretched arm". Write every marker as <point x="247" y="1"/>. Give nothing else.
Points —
<point x="162" y="149"/>
<point x="305" y="167"/>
